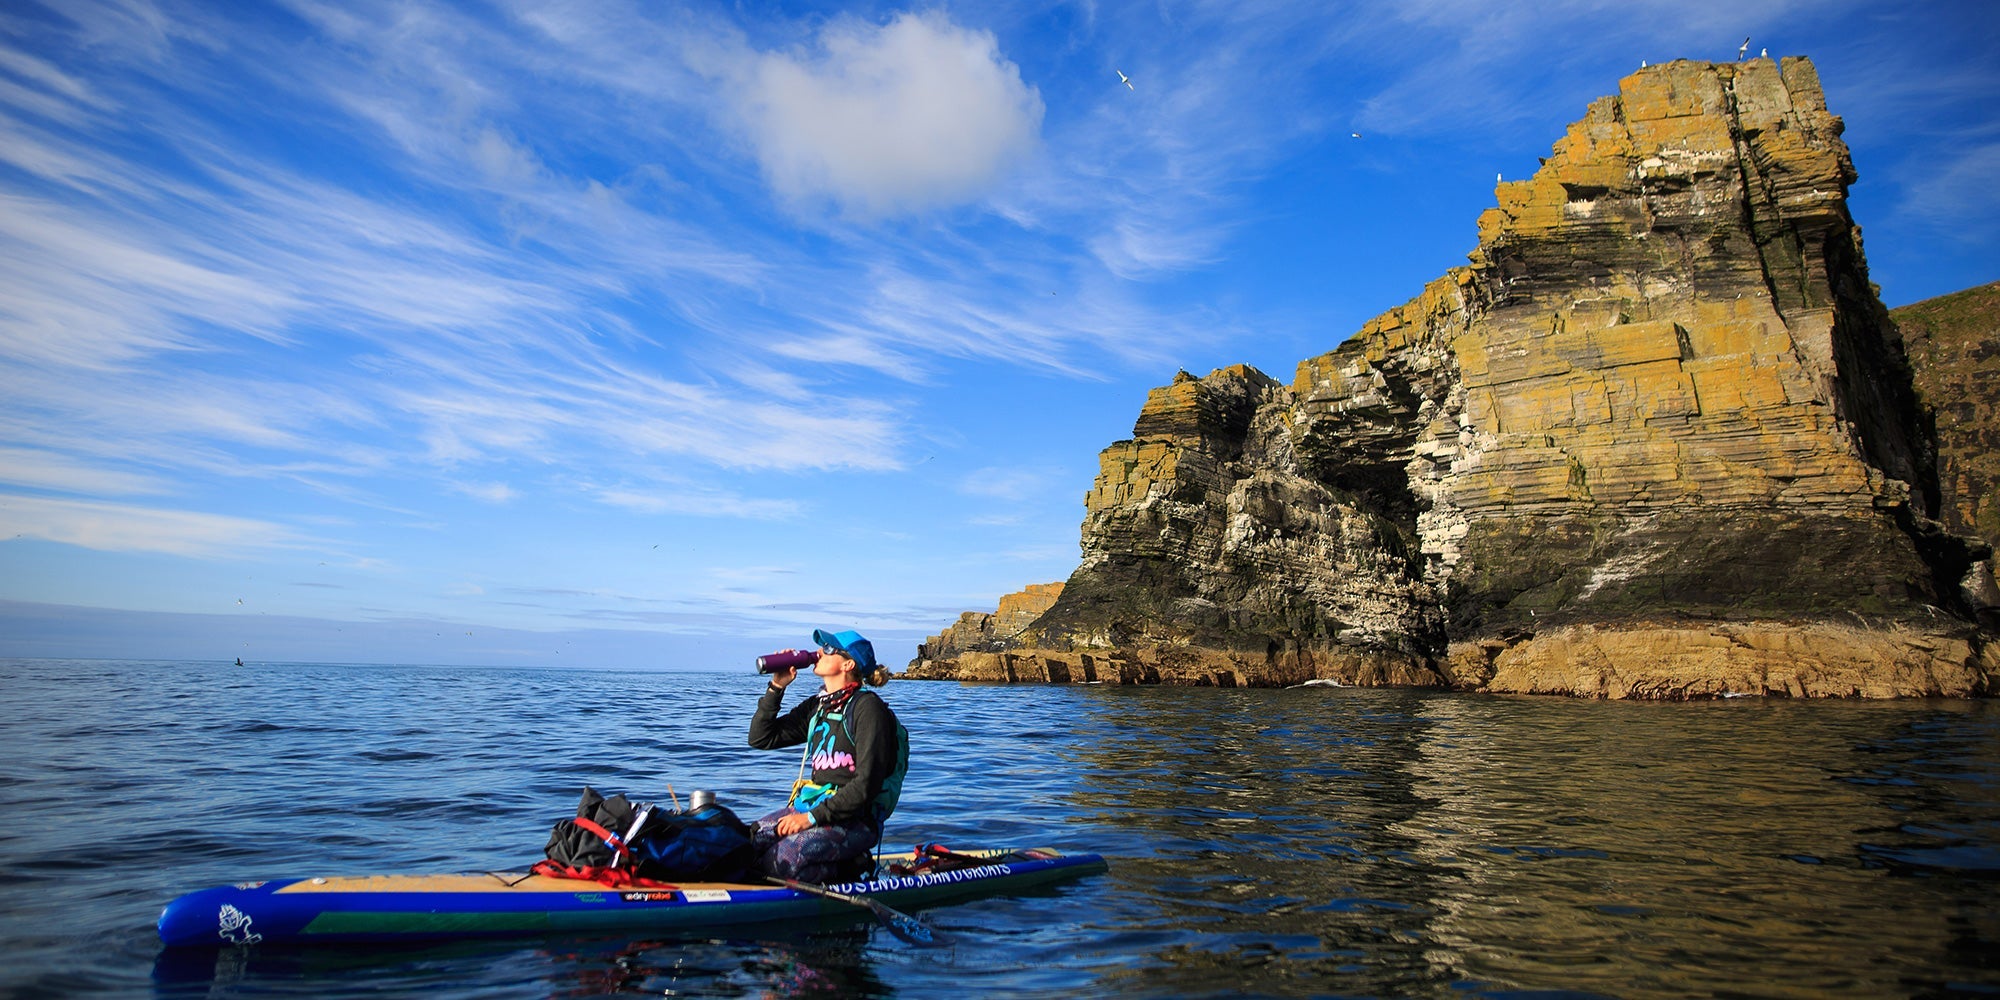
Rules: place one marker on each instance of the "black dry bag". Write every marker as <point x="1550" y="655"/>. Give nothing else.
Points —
<point x="708" y="844"/>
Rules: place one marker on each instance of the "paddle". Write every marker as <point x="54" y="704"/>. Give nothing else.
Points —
<point x="901" y="924"/>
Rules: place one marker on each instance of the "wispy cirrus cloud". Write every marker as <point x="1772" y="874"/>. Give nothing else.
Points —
<point x="1003" y="483"/>
<point x="670" y="498"/>
<point x="1958" y="196"/>
<point x="46" y="470"/>
<point x="128" y="528"/>
<point x="483" y="349"/>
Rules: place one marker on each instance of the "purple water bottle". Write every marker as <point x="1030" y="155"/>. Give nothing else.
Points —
<point x="790" y="659"/>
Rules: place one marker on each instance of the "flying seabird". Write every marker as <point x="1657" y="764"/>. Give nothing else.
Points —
<point x="1357" y="135"/>
<point x="1743" y="49"/>
<point x="1127" y="81"/>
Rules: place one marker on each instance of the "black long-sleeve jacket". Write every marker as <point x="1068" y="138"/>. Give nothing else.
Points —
<point x="857" y="764"/>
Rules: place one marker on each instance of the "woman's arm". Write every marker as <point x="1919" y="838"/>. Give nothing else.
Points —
<point x="768" y="731"/>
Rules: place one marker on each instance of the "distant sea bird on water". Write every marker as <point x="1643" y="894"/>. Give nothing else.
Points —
<point x="1743" y="49"/>
<point x="1127" y="81"/>
<point x="1357" y="135"/>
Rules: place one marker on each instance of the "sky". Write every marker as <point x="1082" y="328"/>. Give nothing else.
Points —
<point x="655" y="335"/>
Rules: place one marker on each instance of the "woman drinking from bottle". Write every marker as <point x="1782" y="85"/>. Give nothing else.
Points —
<point x="854" y="750"/>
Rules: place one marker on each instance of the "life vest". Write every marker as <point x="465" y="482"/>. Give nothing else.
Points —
<point x="820" y="744"/>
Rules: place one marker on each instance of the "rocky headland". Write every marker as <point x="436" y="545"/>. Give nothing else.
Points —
<point x="1658" y="438"/>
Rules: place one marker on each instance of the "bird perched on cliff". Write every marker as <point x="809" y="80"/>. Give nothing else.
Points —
<point x="1763" y="53"/>
<point x="1127" y="81"/>
<point x="1743" y="49"/>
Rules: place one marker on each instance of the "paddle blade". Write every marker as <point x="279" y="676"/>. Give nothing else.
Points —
<point x="904" y="926"/>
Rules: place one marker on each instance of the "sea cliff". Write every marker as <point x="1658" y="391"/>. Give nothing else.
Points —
<point x="1658" y="438"/>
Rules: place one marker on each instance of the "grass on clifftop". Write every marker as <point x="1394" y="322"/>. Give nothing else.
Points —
<point x="1976" y="308"/>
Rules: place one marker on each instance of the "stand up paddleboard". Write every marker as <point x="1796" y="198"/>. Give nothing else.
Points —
<point x="431" y="907"/>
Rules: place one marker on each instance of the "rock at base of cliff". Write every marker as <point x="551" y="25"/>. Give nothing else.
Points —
<point x="1820" y="660"/>
<point x="1189" y="666"/>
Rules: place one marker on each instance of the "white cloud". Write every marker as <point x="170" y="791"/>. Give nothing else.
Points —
<point x="914" y="114"/>
<point x="1958" y="195"/>
<point x="47" y="76"/>
<point x="84" y="290"/>
<point x="699" y="502"/>
<point x="1002" y="483"/>
<point x="1139" y="248"/>
<point x="494" y="493"/>
<point x="124" y="528"/>
<point x="48" y="470"/>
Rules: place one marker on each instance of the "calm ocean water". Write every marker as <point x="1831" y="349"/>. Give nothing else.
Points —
<point x="1307" y="842"/>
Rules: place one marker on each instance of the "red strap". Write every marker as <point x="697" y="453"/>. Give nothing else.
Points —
<point x="610" y="839"/>
<point x="616" y="878"/>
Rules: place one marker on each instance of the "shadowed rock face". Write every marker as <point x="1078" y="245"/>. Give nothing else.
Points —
<point x="1662" y="394"/>
<point x="1955" y="347"/>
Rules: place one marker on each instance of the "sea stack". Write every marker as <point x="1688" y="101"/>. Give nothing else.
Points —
<point x="1659" y="438"/>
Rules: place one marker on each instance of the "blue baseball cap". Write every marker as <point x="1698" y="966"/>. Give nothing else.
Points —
<point x="849" y="642"/>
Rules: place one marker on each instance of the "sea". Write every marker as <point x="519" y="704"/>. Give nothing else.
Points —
<point x="1307" y="842"/>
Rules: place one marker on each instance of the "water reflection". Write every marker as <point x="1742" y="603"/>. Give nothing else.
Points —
<point x="1377" y="842"/>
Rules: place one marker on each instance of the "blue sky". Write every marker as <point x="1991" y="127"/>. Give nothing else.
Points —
<point x="658" y="334"/>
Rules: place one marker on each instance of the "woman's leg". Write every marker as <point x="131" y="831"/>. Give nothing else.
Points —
<point x="815" y="854"/>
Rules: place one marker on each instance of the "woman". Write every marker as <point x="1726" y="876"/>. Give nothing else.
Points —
<point x="854" y="749"/>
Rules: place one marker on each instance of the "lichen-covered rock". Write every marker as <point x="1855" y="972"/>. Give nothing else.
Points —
<point x="1663" y="386"/>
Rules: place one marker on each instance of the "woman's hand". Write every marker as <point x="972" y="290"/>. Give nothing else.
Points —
<point x="793" y="823"/>
<point x="785" y="677"/>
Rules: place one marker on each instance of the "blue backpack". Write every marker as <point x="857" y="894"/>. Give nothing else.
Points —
<point x="710" y="844"/>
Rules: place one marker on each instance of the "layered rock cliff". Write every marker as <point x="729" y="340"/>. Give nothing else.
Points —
<point x="1954" y="344"/>
<point x="1658" y="438"/>
<point x="979" y="631"/>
